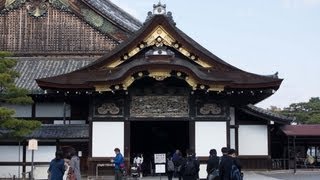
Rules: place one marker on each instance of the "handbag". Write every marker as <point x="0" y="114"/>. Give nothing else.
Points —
<point x="213" y="174"/>
<point x="71" y="174"/>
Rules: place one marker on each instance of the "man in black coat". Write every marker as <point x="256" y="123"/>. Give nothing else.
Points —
<point x="213" y="165"/>
<point x="190" y="167"/>
<point x="225" y="165"/>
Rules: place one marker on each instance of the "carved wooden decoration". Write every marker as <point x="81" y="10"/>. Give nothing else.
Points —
<point x="159" y="106"/>
<point x="210" y="109"/>
<point x="107" y="109"/>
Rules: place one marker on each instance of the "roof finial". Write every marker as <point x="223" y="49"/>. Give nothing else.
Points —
<point x="159" y="8"/>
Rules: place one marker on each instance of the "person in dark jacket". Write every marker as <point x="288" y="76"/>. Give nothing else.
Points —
<point x="225" y="165"/>
<point x="213" y="165"/>
<point x="190" y="167"/>
<point x="56" y="168"/>
<point x="177" y="160"/>
<point x="233" y="154"/>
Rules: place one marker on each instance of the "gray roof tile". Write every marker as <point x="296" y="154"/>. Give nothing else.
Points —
<point x="31" y="68"/>
<point x="53" y="131"/>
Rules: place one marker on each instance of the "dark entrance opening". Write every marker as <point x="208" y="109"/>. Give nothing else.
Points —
<point x="150" y="137"/>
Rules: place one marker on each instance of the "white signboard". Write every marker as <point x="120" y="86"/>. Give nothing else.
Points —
<point x="33" y="144"/>
<point x="160" y="168"/>
<point x="159" y="158"/>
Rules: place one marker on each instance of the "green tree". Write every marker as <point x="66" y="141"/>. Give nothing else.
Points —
<point x="10" y="94"/>
<point x="304" y="112"/>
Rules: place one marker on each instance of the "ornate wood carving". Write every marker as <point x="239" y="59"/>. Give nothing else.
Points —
<point x="210" y="109"/>
<point x="108" y="109"/>
<point x="159" y="106"/>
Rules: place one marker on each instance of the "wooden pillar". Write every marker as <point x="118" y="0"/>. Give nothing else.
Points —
<point x="295" y="155"/>
<point x="24" y="156"/>
<point x="192" y="134"/>
<point x="127" y="143"/>
<point x="288" y="152"/>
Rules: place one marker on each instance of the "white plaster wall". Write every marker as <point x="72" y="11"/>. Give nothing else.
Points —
<point x="51" y="110"/>
<point x="232" y="138"/>
<point x="43" y="154"/>
<point x="105" y="137"/>
<point x="10" y="153"/>
<point x="253" y="140"/>
<point x="9" y="171"/>
<point x="210" y="135"/>
<point x="21" y="110"/>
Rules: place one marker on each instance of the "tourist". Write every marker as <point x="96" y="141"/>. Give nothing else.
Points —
<point x="56" y="167"/>
<point x="170" y="166"/>
<point x="75" y="164"/>
<point x="213" y="165"/>
<point x="118" y="161"/>
<point x="236" y="173"/>
<point x="137" y="161"/>
<point x="177" y="160"/>
<point x="225" y="165"/>
<point x="190" y="167"/>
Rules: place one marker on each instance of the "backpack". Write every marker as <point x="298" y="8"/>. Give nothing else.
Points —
<point x="190" y="168"/>
<point x="235" y="173"/>
<point x="170" y="165"/>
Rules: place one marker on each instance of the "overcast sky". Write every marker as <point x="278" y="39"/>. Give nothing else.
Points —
<point x="259" y="36"/>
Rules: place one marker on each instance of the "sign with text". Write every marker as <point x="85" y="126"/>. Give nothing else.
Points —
<point x="159" y="158"/>
<point x="160" y="168"/>
<point x="33" y="144"/>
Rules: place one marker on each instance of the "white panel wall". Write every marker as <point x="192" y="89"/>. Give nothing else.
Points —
<point x="253" y="140"/>
<point x="9" y="171"/>
<point x="43" y="154"/>
<point x="105" y="137"/>
<point x="21" y="110"/>
<point x="10" y="154"/>
<point x="232" y="138"/>
<point x="210" y="135"/>
<point x="51" y="110"/>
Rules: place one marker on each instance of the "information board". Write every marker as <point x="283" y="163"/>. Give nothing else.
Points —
<point x="159" y="158"/>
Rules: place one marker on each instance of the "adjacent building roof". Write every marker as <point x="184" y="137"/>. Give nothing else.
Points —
<point x="116" y="14"/>
<point x="31" y="68"/>
<point x="301" y="130"/>
<point x="51" y="131"/>
<point x="267" y="115"/>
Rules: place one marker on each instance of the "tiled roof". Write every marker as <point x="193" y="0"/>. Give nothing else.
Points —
<point x="31" y="68"/>
<point x="115" y="13"/>
<point x="52" y="131"/>
<point x="268" y="115"/>
<point x="302" y="130"/>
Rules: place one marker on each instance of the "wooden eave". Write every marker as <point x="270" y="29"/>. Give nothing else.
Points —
<point x="100" y="71"/>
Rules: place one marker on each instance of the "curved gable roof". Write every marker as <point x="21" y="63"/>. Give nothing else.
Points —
<point x="160" y="31"/>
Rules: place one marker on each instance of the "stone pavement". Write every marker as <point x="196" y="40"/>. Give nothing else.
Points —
<point x="251" y="175"/>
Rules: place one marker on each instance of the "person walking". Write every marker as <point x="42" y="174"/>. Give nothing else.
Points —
<point x="170" y="166"/>
<point x="213" y="165"/>
<point x="56" y="167"/>
<point x="190" y="167"/>
<point x="118" y="161"/>
<point x="177" y="160"/>
<point x="75" y="164"/>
